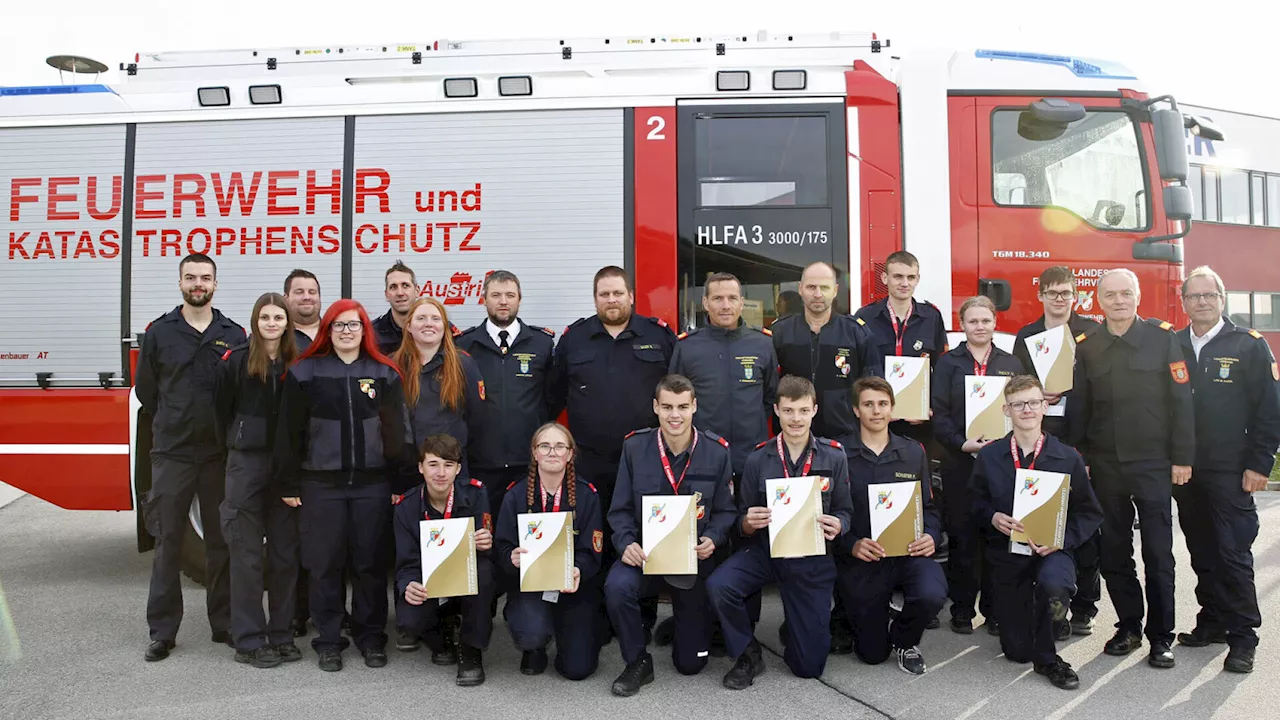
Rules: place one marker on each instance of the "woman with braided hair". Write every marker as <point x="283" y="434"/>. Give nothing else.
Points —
<point x="534" y="617"/>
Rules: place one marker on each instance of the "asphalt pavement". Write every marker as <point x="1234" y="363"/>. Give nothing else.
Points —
<point x="72" y="631"/>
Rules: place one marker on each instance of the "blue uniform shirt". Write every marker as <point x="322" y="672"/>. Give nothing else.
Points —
<point x="901" y="460"/>
<point x="829" y="462"/>
<point x="469" y="500"/>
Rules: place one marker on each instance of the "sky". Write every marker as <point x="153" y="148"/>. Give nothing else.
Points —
<point x="1205" y="53"/>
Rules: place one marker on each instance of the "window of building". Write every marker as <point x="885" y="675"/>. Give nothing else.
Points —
<point x="1234" y="196"/>
<point x="1273" y="200"/>
<point x="1092" y="168"/>
<point x="1211" y="195"/>
<point x="1196" y="183"/>
<point x="1239" y="309"/>
<point x="1266" y="311"/>
<point x="1258" y="201"/>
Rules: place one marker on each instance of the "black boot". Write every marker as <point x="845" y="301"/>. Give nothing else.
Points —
<point x="635" y="675"/>
<point x="470" y="666"/>
<point x="749" y="666"/>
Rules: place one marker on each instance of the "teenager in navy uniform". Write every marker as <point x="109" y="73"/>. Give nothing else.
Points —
<point x="676" y="459"/>
<point x="401" y="289"/>
<point x="302" y="293"/>
<point x="1057" y="292"/>
<point x="343" y="450"/>
<point x="832" y="350"/>
<point x="1237" y="409"/>
<point x="1035" y="577"/>
<point x="805" y="583"/>
<point x="177" y="366"/>
<point x="246" y="406"/>
<point x="977" y="355"/>
<point x="445" y="495"/>
<point x="867" y="576"/>
<point x="553" y="485"/>
<point x="906" y="327"/>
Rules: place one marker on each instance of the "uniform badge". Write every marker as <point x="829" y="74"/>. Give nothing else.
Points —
<point x="366" y="387"/>
<point x="1179" y="372"/>
<point x="842" y="363"/>
<point x="747" y="371"/>
<point x="1225" y="371"/>
<point x="480" y="387"/>
<point x="702" y="511"/>
<point x="826" y="483"/>
<point x="919" y="344"/>
<point x="524" y="365"/>
<point x="487" y="520"/>
<point x="597" y="541"/>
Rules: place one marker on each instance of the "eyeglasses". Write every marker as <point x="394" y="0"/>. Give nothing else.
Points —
<point x="548" y="448"/>
<point x="350" y="325"/>
<point x="1201" y="297"/>
<point x="1063" y="295"/>
<point x="1021" y="405"/>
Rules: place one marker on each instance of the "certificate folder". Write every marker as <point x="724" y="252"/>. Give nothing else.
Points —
<point x="1040" y="504"/>
<point x="795" y="504"/>
<point x="449" y="557"/>
<point x="897" y="515"/>
<point x="984" y="407"/>
<point x="670" y="534"/>
<point x="548" y="539"/>
<point x="1053" y="353"/>
<point x="909" y="378"/>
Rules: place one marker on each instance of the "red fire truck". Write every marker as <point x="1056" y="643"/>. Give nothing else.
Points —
<point x="674" y="157"/>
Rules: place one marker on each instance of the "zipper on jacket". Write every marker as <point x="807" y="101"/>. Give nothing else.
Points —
<point x="239" y="432"/>
<point x="351" y="419"/>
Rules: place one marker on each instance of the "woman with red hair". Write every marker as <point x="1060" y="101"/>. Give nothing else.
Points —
<point x="344" y="448"/>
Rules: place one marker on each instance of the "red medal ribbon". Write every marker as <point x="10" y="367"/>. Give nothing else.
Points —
<point x="426" y="506"/>
<point x="981" y="369"/>
<point x="1013" y="450"/>
<point x="808" y="461"/>
<point x="899" y="329"/>
<point x="555" y="503"/>
<point x="666" y="464"/>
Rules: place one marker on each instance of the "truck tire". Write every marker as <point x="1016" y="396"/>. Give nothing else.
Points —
<point x="193" y="545"/>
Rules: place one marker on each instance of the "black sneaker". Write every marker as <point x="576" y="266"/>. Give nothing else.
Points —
<point x="1201" y="637"/>
<point x="408" y="642"/>
<point x="1060" y="674"/>
<point x="330" y="660"/>
<point x="288" y="652"/>
<point x="1161" y="655"/>
<point x="1239" y="660"/>
<point x="1081" y="625"/>
<point x="533" y="662"/>
<point x="933" y="624"/>
<point x="634" y="676"/>
<point x="1122" y="643"/>
<point x="962" y="625"/>
<point x="264" y="657"/>
<point x="375" y="657"/>
<point x="910" y="660"/>
<point x="748" y="667"/>
<point x="157" y="651"/>
<point x="470" y="666"/>
<point x="222" y="637"/>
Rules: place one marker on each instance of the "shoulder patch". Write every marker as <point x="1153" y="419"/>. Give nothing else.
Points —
<point x="1256" y="334"/>
<point x="1166" y="326"/>
<point x="1080" y="338"/>
<point x="487" y="519"/>
<point x="227" y="354"/>
<point x="480" y="388"/>
<point x="767" y="331"/>
<point x="477" y="483"/>
<point x="1179" y="372"/>
<point x="455" y="330"/>
<point x="548" y="331"/>
<point x="593" y="488"/>
<point x="861" y="322"/>
<point x="682" y="336"/>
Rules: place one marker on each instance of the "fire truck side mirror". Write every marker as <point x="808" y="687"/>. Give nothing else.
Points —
<point x="1171" y="145"/>
<point x="1178" y="202"/>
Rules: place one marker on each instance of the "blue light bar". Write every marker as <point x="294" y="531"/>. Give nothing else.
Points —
<point x="1082" y="67"/>
<point x="52" y="90"/>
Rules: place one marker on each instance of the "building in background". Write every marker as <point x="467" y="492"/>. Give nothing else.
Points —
<point x="1236" y="184"/>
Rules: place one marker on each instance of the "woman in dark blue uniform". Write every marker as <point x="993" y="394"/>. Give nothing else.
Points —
<point x="534" y="617"/>
<point x="977" y="355"/>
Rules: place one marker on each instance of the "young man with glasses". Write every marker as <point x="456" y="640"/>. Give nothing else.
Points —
<point x="1237" y="408"/>
<point x="1058" y="295"/>
<point x="1029" y="576"/>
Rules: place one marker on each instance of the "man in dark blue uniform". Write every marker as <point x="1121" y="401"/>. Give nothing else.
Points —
<point x="676" y="459"/>
<point x="1026" y="575"/>
<point x="1237" y="401"/>
<point x="177" y="368"/>
<point x="1057" y="292"/>
<point x="401" y="289"/>
<point x="302" y="294"/>
<point x="515" y="360"/>
<point x="805" y="583"/>
<point x="867" y="577"/>
<point x="832" y="351"/>
<point x="1130" y="413"/>
<point x="906" y="327"/>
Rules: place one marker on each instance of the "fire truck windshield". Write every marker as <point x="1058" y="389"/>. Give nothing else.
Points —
<point x="1092" y="167"/>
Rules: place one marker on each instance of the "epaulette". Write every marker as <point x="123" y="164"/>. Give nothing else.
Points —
<point x="661" y="323"/>
<point x="1163" y="325"/>
<point x="1256" y="334"/>
<point x="454" y="329"/>
<point x="548" y="331"/>
<point x="477" y="483"/>
<point x="716" y="437"/>
<point x="227" y="354"/>
<point x="831" y="443"/>
<point x="762" y="444"/>
<point x="638" y="431"/>
<point x="593" y="488"/>
<point x="860" y="321"/>
<point x="513" y="484"/>
<point x="1080" y="338"/>
<point x="397" y="499"/>
<point x="766" y="331"/>
<point x="472" y="329"/>
<point x="683" y="335"/>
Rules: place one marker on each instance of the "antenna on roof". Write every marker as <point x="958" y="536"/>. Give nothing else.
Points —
<point x="75" y="65"/>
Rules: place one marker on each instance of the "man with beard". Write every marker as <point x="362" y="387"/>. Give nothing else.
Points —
<point x="302" y="293"/>
<point x="515" y="361"/>
<point x="401" y="290"/>
<point x="177" y="367"/>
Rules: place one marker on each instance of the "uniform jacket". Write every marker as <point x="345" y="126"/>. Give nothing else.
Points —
<point x="948" y="390"/>
<point x="903" y="459"/>
<point x="517" y="391"/>
<point x="993" y="484"/>
<point x="640" y="473"/>
<point x="469" y="500"/>
<point x="1132" y="396"/>
<point x="1237" y="400"/>
<point x="607" y="383"/>
<point x="177" y="370"/>
<point x="588" y="525"/>
<point x="828" y="462"/>
<point x="735" y="373"/>
<point x="833" y="359"/>
<point x="431" y="417"/>
<point x="924" y="336"/>
<point x="344" y="424"/>
<point x="247" y="408"/>
<point x="389" y="334"/>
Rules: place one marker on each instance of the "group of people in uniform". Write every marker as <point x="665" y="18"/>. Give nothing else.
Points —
<point x="330" y="437"/>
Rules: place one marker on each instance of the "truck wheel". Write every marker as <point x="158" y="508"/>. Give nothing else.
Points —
<point x="193" y="545"/>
